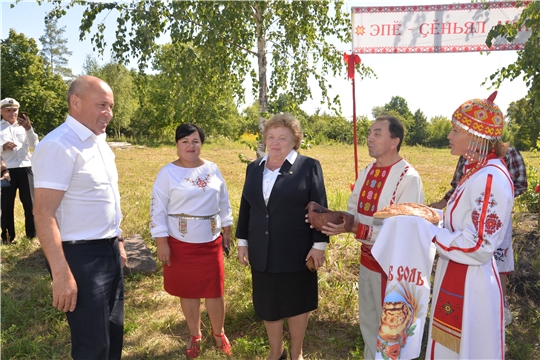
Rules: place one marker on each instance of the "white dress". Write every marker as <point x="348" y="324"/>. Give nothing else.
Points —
<point x="475" y="221"/>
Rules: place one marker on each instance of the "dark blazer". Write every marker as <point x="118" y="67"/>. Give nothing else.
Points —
<point x="278" y="236"/>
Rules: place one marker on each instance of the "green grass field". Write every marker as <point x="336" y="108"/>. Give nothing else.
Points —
<point x="154" y="324"/>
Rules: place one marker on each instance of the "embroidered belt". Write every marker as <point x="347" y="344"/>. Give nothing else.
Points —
<point x="193" y="217"/>
<point x="183" y="218"/>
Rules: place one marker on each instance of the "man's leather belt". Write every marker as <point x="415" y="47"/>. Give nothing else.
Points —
<point x="88" y="242"/>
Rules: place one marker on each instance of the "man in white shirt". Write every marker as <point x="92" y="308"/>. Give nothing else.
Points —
<point x="77" y="213"/>
<point x="17" y="137"/>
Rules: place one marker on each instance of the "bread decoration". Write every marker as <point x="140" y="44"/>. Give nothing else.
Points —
<point x="394" y="321"/>
<point x="413" y="209"/>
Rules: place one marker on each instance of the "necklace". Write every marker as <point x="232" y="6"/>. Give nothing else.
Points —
<point x="471" y="172"/>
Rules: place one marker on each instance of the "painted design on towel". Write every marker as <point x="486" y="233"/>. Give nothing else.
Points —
<point x="401" y="309"/>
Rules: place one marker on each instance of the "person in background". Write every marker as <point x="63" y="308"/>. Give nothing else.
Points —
<point x="467" y="317"/>
<point x="17" y="136"/>
<point x="504" y="256"/>
<point x="77" y="212"/>
<point x="388" y="180"/>
<point x="189" y="207"/>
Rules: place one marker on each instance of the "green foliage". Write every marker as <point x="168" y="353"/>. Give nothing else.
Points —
<point x="438" y="129"/>
<point x="293" y="37"/>
<point x="54" y="49"/>
<point x="125" y="101"/>
<point x="526" y="65"/>
<point x="334" y="128"/>
<point x="186" y="88"/>
<point x="418" y="132"/>
<point x="523" y="124"/>
<point x="25" y="78"/>
<point x="398" y="105"/>
<point x="529" y="200"/>
<point x="398" y="108"/>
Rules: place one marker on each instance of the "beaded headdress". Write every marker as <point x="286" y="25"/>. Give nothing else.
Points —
<point x="484" y="120"/>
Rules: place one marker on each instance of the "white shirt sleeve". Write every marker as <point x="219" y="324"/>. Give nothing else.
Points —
<point x="158" y="206"/>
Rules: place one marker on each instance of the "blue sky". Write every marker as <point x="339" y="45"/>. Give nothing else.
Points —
<point x="435" y="83"/>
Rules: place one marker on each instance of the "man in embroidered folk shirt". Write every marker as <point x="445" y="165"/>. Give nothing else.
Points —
<point x="387" y="180"/>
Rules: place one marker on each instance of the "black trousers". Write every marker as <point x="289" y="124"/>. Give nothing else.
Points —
<point x="97" y="323"/>
<point x="22" y="179"/>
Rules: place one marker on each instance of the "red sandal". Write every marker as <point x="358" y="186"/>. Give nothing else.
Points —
<point x="195" y="348"/>
<point x="225" y="347"/>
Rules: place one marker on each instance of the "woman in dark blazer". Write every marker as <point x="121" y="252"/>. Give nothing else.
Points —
<point x="274" y="238"/>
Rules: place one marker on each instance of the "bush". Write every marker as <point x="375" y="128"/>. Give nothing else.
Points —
<point x="528" y="201"/>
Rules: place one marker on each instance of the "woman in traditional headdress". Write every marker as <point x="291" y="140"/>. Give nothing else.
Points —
<point x="467" y="319"/>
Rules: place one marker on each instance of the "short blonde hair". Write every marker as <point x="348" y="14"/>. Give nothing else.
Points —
<point x="288" y="121"/>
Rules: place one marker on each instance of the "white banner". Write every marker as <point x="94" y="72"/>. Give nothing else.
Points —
<point x="433" y="28"/>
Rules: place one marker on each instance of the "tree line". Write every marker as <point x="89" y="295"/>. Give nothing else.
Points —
<point x="184" y="86"/>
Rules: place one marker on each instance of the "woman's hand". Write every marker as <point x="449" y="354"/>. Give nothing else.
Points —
<point x="319" y="257"/>
<point x="226" y="237"/>
<point x="439" y="204"/>
<point x="243" y="255"/>
<point x="163" y="250"/>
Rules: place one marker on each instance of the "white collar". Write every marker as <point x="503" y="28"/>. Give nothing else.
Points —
<point x="82" y="131"/>
<point x="290" y="158"/>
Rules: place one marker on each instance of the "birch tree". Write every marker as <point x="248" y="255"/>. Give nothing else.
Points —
<point x="279" y="45"/>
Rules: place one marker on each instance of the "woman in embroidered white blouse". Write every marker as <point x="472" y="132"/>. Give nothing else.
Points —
<point x="189" y="208"/>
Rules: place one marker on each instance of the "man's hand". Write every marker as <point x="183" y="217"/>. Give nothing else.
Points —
<point x="9" y="146"/>
<point x="334" y="229"/>
<point x="123" y="254"/>
<point x="24" y="121"/>
<point x="64" y="291"/>
<point x="243" y="255"/>
<point x="6" y="176"/>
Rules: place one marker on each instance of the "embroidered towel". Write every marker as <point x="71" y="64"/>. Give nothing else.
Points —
<point x="405" y="252"/>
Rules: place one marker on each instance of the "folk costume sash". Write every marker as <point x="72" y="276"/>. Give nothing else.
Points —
<point x="405" y="252"/>
<point x="448" y="310"/>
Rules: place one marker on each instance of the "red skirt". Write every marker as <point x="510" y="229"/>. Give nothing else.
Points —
<point x="196" y="270"/>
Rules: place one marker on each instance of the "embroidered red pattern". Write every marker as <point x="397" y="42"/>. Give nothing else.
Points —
<point x="370" y="193"/>
<point x="492" y="223"/>
<point x="199" y="182"/>
<point x="393" y="200"/>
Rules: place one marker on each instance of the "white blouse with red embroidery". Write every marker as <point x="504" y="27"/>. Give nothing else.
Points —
<point x="193" y="192"/>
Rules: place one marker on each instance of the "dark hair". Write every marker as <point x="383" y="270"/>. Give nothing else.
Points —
<point x="395" y="127"/>
<point x="187" y="129"/>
